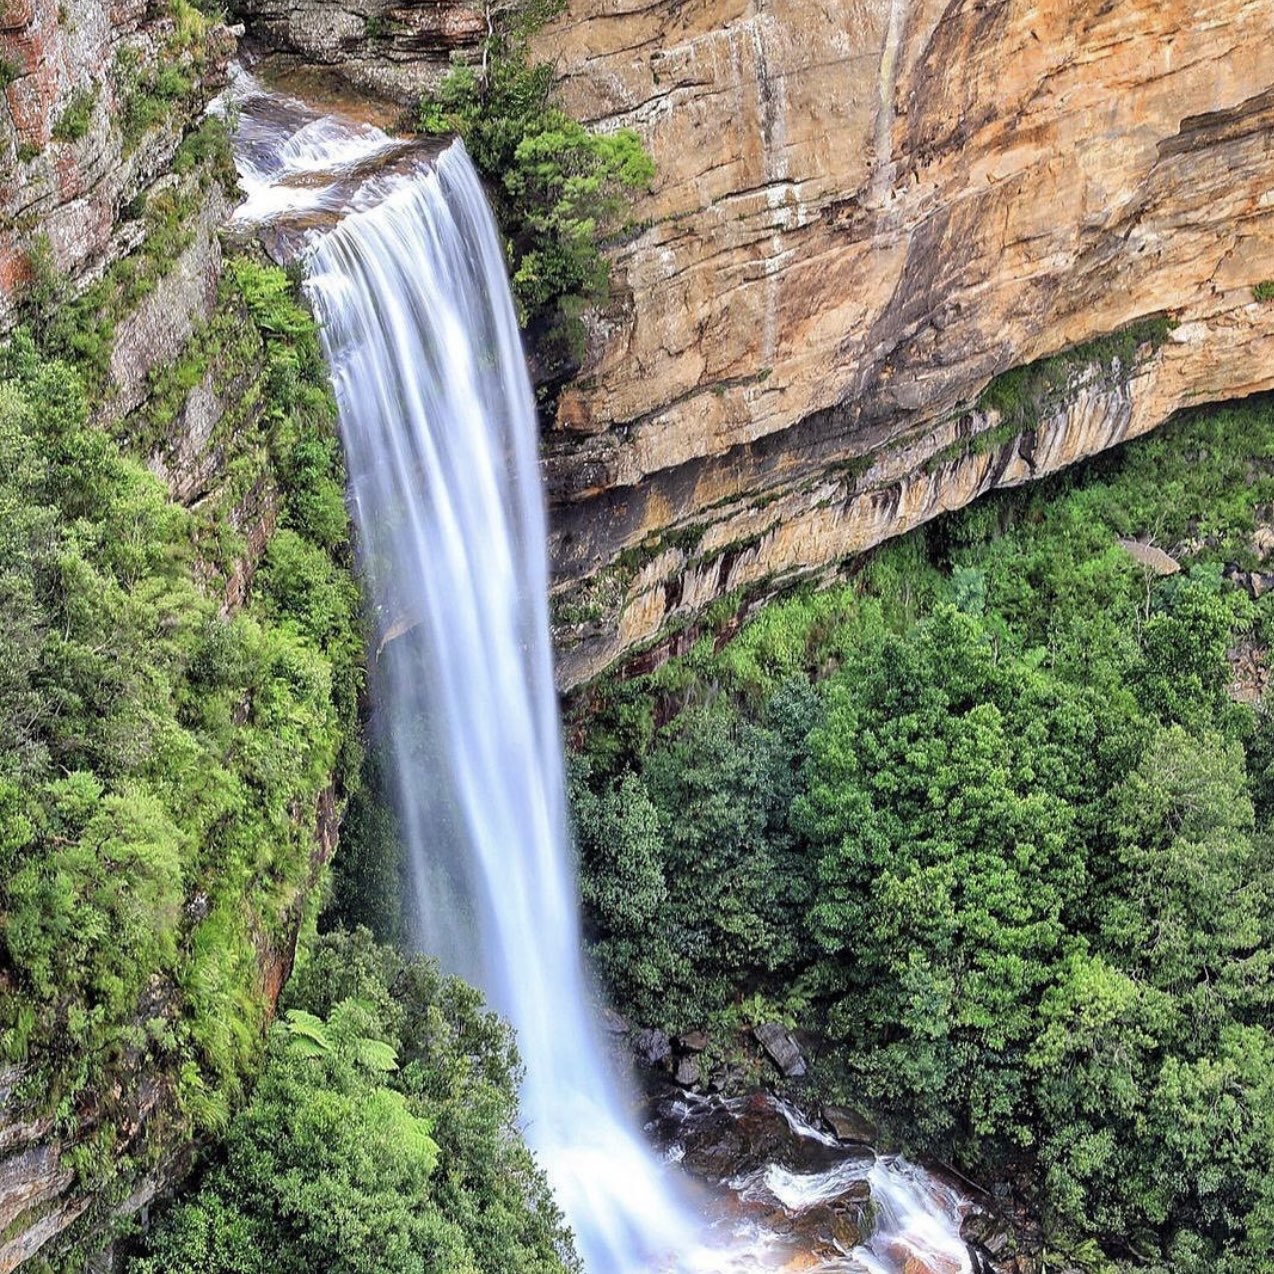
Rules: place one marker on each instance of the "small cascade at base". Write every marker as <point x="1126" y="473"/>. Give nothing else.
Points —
<point x="407" y="278"/>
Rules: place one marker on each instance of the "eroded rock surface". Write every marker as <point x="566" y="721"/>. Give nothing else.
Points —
<point x="85" y="135"/>
<point x="862" y="212"/>
<point x="394" y="48"/>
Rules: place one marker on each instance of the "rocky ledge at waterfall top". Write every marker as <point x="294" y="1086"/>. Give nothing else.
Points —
<point x="863" y="211"/>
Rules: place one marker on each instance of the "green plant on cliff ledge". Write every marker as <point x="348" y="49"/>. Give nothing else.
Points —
<point x="166" y="761"/>
<point x="1263" y="291"/>
<point x="558" y="189"/>
<point x="72" y="124"/>
<point x="1023" y="394"/>
<point x="153" y="94"/>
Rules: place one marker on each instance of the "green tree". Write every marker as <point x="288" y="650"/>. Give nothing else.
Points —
<point x="381" y="1139"/>
<point x="557" y="187"/>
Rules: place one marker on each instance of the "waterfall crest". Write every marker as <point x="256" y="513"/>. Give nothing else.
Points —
<point x="441" y="443"/>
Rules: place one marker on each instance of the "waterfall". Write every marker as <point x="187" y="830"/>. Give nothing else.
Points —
<point x="441" y="443"/>
<point x="407" y="278"/>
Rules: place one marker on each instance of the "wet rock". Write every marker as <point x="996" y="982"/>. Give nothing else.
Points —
<point x="781" y="1048"/>
<point x="827" y="1229"/>
<point x="728" y="1138"/>
<point x="726" y="1079"/>
<point x="614" y="1023"/>
<point x="849" y="1126"/>
<point x="988" y="1232"/>
<point x="652" y="1046"/>
<point x="693" y="1041"/>
<point x="687" y="1072"/>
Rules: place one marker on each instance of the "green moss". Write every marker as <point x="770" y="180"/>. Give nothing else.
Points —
<point x="1021" y="395"/>
<point x="152" y="95"/>
<point x="73" y="122"/>
<point x="1263" y="291"/>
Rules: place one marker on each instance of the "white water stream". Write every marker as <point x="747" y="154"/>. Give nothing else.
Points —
<point x="406" y="274"/>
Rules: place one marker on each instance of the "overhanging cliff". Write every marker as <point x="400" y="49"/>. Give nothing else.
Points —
<point x="864" y="212"/>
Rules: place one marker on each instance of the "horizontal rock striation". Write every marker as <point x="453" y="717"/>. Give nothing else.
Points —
<point x="862" y="213"/>
<point x="397" y="49"/>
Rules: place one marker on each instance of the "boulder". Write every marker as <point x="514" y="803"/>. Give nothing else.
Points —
<point x="687" y="1072"/>
<point x="652" y="1045"/>
<point x="781" y="1049"/>
<point x="849" y="1126"/>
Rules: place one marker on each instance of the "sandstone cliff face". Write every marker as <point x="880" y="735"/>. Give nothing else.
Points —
<point x="69" y="167"/>
<point x="865" y="209"/>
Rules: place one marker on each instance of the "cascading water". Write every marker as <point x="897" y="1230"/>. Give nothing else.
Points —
<point x="406" y="274"/>
<point x="440" y="436"/>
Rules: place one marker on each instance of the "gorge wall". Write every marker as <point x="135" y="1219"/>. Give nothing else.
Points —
<point x="113" y="192"/>
<point x="864" y="211"/>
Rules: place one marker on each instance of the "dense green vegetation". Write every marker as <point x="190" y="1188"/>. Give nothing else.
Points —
<point x="1022" y="394"/>
<point x="557" y="188"/>
<point x="72" y="123"/>
<point x="163" y="755"/>
<point x="381" y="1139"/>
<point x="990" y="821"/>
<point x="152" y="95"/>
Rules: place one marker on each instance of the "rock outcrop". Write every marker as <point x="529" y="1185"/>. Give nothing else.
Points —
<point x="88" y="130"/>
<point x="862" y="213"/>
<point x="394" y="48"/>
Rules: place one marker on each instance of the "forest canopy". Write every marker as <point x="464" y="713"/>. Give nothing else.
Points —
<point x="994" y="820"/>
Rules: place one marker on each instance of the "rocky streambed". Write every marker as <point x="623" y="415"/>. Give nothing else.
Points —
<point x="778" y="1193"/>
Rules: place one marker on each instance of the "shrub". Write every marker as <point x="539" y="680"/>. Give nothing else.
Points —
<point x="557" y="187"/>
<point x="161" y="763"/>
<point x="73" y="122"/>
<point x="381" y="1139"/>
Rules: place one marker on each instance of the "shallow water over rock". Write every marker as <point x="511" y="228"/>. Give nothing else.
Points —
<point x="776" y="1193"/>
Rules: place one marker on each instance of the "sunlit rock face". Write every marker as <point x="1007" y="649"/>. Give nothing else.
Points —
<point x="864" y="210"/>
